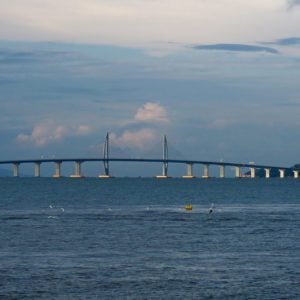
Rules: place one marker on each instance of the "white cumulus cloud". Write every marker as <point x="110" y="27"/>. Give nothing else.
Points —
<point x="151" y="112"/>
<point x="49" y="132"/>
<point x="140" y="138"/>
<point x="84" y="130"/>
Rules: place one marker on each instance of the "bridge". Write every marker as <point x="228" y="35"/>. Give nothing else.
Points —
<point x="165" y="161"/>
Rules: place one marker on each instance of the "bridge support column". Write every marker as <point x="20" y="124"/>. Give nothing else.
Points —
<point x="105" y="176"/>
<point x="252" y="172"/>
<point x="189" y="171"/>
<point x="57" y="172"/>
<point x="222" y="171"/>
<point x="267" y="172"/>
<point x="296" y="173"/>
<point x="16" y="169"/>
<point x="37" y="169"/>
<point x="205" y="171"/>
<point x="237" y="172"/>
<point x="281" y="173"/>
<point x="77" y="170"/>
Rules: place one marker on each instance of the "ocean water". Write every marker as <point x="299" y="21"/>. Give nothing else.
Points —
<point x="131" y="238"/>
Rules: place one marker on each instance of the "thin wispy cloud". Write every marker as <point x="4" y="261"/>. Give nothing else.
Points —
<point x="116" y="22"/>
<point x="8" y="56"/>
<point x="236" y="48"/>
<point x="293" y="3"/>
<point x="291" y="41"/>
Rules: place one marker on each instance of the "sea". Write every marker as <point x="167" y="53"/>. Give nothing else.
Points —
<point x="132" y="238"/>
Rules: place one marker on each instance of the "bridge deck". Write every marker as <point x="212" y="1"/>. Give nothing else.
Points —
<point x="147" y="160"/>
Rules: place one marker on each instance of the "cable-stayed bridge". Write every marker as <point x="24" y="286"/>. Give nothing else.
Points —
<point x="164" y="160"/>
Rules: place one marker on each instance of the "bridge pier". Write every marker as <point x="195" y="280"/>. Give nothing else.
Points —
<point x="252" y="172"/>
<point x="57" y="169"/>
<point x="205" y="171"/>
<point x="105" y="176"/>
<point x="296" y="174"/>
<point x="77" y="170"/>
<point x="16" y="169"/>
<point x="267" y="172"/>
<point x="37" y="169"/>
<point x="222" y="171"/>
<point x="237" y="172"/>
<point x="281" y="173"/>
<point x="189" y="171"/>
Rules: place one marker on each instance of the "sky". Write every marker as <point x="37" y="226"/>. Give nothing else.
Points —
<point x="221" y="78"/>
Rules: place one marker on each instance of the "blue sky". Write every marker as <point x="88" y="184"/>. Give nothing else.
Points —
<point x="220" y="78"/>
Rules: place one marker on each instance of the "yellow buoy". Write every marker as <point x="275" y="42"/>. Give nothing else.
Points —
<point x="188" y="207"/>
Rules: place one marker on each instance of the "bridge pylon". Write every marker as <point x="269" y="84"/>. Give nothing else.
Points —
<point x="106" y="157"/>
<point x="165" y="159"/>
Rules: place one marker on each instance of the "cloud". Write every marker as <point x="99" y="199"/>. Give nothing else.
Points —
<point x="118" y="22"/>
<point x="50" y="132"/>
<point x="293" y="3"/>
<point x="9" y="56"/>
<point x="151" y="112"/>
<point x="141" y="138"/>
<point x="236" y="47"/>
<point x="287" y="41"/>
<point x="139" y="133"/>
<point x="84" y="130"/>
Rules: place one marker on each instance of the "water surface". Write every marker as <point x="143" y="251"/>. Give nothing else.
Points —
<point x="132" y="239"/>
